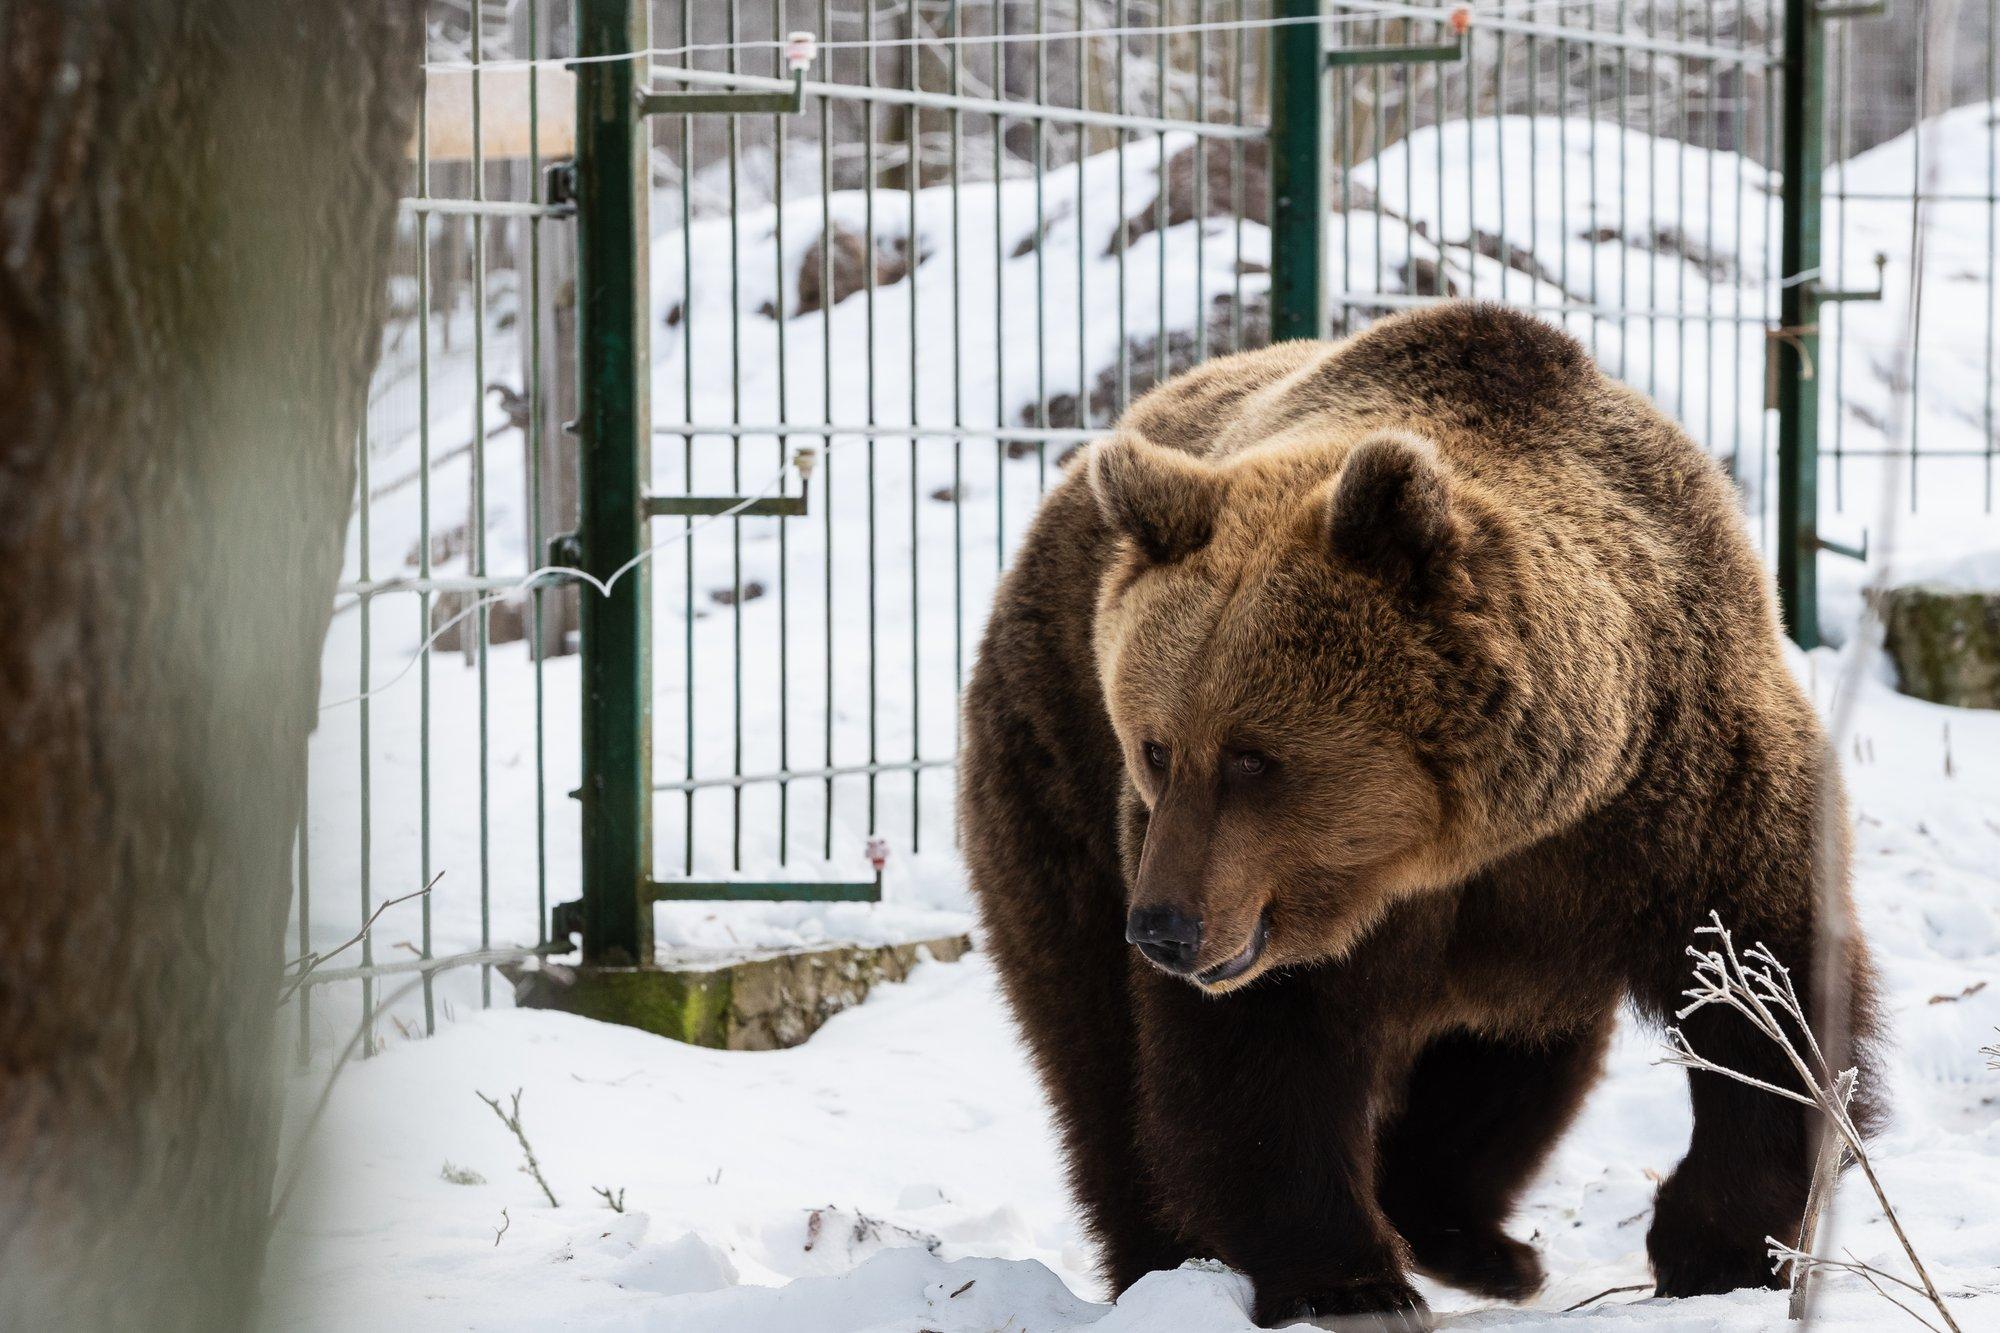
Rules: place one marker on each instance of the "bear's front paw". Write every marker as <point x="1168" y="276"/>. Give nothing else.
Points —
<point x="1484" y="1260"/>
<point x="1712" y="1271"/>
<point x="1381" y="1305"/>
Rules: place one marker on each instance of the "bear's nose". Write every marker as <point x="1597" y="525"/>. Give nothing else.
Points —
<point x="1165" y="936"/>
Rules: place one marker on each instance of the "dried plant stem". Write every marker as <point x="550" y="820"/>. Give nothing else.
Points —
<point x="512" y="1120"/>
<point x="1762" y="992"/>
<point x="1825" y="1172"/>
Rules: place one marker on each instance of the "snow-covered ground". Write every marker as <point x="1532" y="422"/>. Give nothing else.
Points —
<point x="858" y="1181"/>
<point x="911" y="1128"/>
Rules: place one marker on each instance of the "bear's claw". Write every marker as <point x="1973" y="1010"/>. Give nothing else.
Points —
<point x="1385" y="1305"/>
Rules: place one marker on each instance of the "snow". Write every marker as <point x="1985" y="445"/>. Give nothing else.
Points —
<point x="912" y="1127"/>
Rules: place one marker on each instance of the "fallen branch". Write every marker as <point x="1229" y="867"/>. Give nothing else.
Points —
<point x="512" y="1120"/>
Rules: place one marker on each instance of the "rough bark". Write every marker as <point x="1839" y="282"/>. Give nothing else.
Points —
<point x="198" y="198"/>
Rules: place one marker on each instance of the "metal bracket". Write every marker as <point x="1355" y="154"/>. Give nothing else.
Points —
<point x="736" y="506"/>
<point x="800" y="48"/>
<point x="565" y="920"/>
<point x="1842" y="548"/>
<point x="1824" y="295"/>
<point x="735" y="104"/>
<point x="1347" y="57"/>
<point x="559" y="182"/>
<point x="565" y="549"/>
<point x="766" y="891"/>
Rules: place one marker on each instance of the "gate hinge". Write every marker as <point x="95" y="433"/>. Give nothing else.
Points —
<point x="559" y="182"/>
<point x="565" y="920"/>
<point x="565" y="550"/>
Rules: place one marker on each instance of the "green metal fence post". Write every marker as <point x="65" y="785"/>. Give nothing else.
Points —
<point x="1298" y="173"/>
<point x="614" y="422"/>
<point x="1794" y="345"/>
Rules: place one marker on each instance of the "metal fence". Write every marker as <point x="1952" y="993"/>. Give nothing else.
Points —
<point x="837" y="338"/>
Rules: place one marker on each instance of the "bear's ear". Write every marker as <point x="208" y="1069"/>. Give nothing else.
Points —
<point x="1391" y="512"/>
<point x="1163" y="499"/>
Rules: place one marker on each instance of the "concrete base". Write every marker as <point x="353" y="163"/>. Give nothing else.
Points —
<point x="755" y="1002"/>
<point x="1945" y="643"/>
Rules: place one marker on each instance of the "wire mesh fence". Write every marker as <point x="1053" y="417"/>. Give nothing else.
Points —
<point x="985" y="229"/>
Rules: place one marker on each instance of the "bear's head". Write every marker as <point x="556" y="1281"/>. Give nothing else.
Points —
<point x="1297" y="667"/>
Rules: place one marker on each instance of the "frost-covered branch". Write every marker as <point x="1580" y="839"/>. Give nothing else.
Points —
<point x="1756" y="985"/>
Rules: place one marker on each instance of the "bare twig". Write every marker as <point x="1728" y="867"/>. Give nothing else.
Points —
<point x="616" y="1202"/>
<point x="1756" y="985"/>
<point x="1826" y="1171"/>
<point x="1810" y="1263"/>
<point x="505" y="1222"/>
<point x="305" y="965"/>
<point x="1608" y="1291"/>
<point x="512" y="1120"/>
<point x="1953" y="998"/>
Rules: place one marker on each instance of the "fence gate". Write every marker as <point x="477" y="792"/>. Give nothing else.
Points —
<point x="837" y="328"/>
<point x="968" y="257"/>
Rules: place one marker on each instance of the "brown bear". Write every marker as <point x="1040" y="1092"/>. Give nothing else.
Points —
<point x="1360" y="724"/>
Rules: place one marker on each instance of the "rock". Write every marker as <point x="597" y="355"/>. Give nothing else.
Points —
<point x="850" y="268"/>
<point x="1141" y="360"/>
<point x="1183" y="194"/>
<point x="1944" y="641"/>
<point x="758" y="1002"/>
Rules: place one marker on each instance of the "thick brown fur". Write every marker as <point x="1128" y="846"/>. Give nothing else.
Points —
<point x="1429" y="679"/>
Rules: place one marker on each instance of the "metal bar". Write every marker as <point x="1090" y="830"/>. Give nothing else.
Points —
<point x="537" y="538"/>
<point x="826" y="773"/>
<point x="766" y="891"/>
<point x="1000" y="434"/>
<point x="1598" y="310"/>
<point x="428" y="966"/>
<point x="489" y="208"/>
<point x="889" y="95"/>
<point x="1298" y="185"/>
<point x="1797" y="350"/>
<point x="366" y="588"/>
<point x="778" y="252"/>
<point x="1345" y="57"/>
<point x="612" y="333"/>
<point x="784" y="102"/>
<point x="482" y="618"/>
<point x="1606" y="38"/>
<point x="423" y="230"/>
<point x="683" y="506"/>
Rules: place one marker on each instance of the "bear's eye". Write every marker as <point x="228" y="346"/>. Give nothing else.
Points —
<point x="1156" y="754"/>
<point x="1250" y="763"/>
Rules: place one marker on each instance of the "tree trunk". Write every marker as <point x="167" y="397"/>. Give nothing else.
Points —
<point x="197" y="210"/>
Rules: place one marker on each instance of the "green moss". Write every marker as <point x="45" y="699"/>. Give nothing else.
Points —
<point x="687" y="1006"/>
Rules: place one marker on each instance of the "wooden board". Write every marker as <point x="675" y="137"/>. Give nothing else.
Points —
<point x="503" y="114"/>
